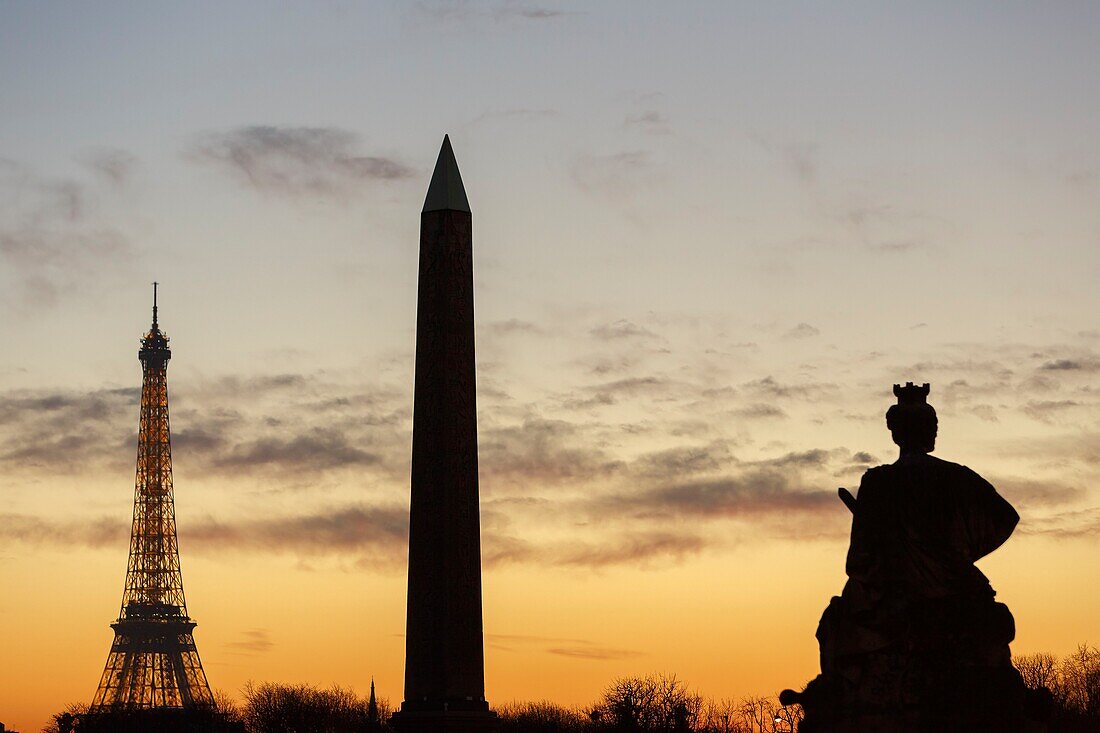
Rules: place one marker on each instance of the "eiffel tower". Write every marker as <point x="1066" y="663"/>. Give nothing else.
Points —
<point x="153" y="663"/>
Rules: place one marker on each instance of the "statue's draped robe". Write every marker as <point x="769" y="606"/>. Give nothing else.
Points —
<point x="921" y="523"/>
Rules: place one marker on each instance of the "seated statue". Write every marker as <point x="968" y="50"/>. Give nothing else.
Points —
<point x="916" y="641"/>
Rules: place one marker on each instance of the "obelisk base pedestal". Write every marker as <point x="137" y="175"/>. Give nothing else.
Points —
<point x="446" y="721"/>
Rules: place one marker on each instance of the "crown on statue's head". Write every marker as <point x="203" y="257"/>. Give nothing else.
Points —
<point x="911" y="394"/>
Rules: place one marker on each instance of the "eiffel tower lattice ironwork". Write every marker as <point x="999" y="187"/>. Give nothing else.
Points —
<point x="153" y="663"/>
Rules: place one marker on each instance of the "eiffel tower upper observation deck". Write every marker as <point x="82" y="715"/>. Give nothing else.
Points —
<point x="153" y="663"/>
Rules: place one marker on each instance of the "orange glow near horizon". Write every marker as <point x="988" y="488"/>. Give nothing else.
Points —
<point x="729" y="626"/>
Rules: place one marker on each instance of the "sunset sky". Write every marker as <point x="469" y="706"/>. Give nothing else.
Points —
<point x="708" y="238"/>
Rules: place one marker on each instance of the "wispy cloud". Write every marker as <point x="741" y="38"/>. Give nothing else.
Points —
<point x="610" y="393"/>
<point x="615" y="175"/>
<point x="113" y="165"/>
<point x="468" y="11"/>
<point x="759" y="410"/>
<point x="281" y="425"/>
<point x="63" y="431"/>
<point x="770" y="387"/>
<point x="575" y="648"/>
<point x="621" y="329"/>
<point x="594" y="653"/>
<point x="802" y="331"/>
<point x="376" y="532"/>
<point x="52" y="235"/>
<point x="798" y="157"/>
<point x="296" y="162"/>
<point x="1087" y="364"/>
<point x="1046" y="410"/>
<point x="540" y="451"/>
<point x="317" y="449"/>
<point x="650" y="121"/>
<point x="633" y="548"/>
<point x="514" y="326"/>
<point x="252" y="642"/>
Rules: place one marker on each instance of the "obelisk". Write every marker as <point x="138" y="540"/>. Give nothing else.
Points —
<point x="444" y="657"/>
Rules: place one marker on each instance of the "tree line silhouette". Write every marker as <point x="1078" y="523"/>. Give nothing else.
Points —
<point x="657" y="703"/>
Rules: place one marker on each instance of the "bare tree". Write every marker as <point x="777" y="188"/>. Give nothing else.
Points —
<point x="652" y="704"/>
<point x="722" y="716"/>
<point x="757" y="714"/>
<point x="1080" y="680"/>
<point x="765" y="715"/>
<point x="1038" y="670"/>
<point x="227" y="705"/>
<point x="276" y="708"/>
<point x="65" y="722"/>
<point x="542" y="717"/>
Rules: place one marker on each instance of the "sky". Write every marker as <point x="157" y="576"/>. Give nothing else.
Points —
<point x="708" y="238"/>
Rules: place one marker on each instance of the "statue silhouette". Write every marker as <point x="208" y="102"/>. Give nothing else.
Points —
<point x="916" y="641"/>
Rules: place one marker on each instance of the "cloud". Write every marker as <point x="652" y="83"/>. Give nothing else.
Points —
<point x="317" y="449"/>
<point x="621" y="329"/>
<point x="595" y="653"/>
<point x="749" y="489"/>
<point x="52" y="237"/>
<point x="296" y="161"/>
<point x="609" y="393"/>
<point x="464" y="11"/>
<point x="628" y="549"/>
<point x="253" y="642"/>
<point x="279" y="426"/>
<point x="1046" y="410"/>
<point x="985" y="412"/>
<point x="800" y="158"/>
<point x="634" y="547"/>
<point x="615" y="175"/>
<point x="1028" y="492"/>
<point x="380" y="532"/>
<point x="576" y="648"/>
<point x="768" y="386"/>
<point x="529" y="13"/>
<point x="95" y="533"/>
<point x="759" y="410"/>
<point x="897" y="247"/>
<point x="681" y="462"/>
<point x="650" y="121"/>
<point x="515" y="114"/>
<point x="513" y="326"/>
<point x="1072" y="365"/>
<point x="540" y="452"/>
<point x="373" y="533"/>
<point x="113" y="165"/>
<point x="1068" y="525"/>
<point x="63" y="431"/>
<point x="802" y="331"/>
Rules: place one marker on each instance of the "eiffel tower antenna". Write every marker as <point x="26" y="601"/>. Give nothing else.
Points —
<point x="153" y="663"/>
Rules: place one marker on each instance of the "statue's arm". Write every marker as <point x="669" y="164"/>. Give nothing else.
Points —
<point x="990" y="519"/>
<point x="862" y="547"/>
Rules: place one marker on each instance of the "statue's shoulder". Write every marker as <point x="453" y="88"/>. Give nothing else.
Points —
<point x="924" y="465"/>
<point x="874" y="480"/>
<point x="877" y="473"/>
<point x="957" y="470"/>
<point x="947" y="465"/>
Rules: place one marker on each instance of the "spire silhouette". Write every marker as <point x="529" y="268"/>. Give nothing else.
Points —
<point x="154" y="305"/>
<point x="446" y="192"/>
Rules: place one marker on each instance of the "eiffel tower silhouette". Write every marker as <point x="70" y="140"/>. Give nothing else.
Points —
<point x="153" y="663"/>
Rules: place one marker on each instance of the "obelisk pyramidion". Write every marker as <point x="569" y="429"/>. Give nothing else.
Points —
<point x="444" y="657"/>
